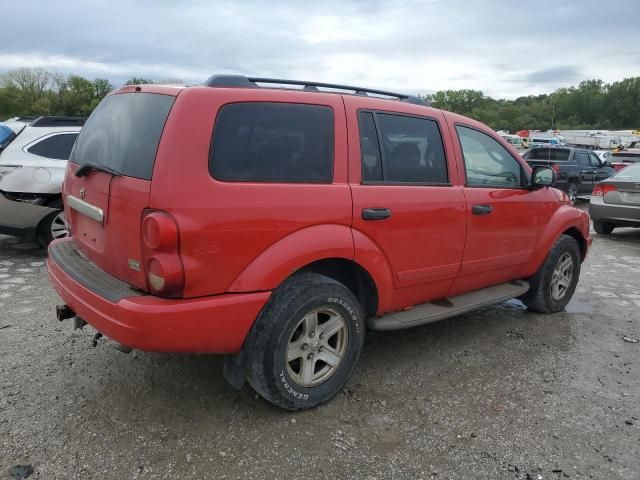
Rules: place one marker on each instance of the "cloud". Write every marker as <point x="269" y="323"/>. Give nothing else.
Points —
<point x="555" y="75"/>
<point x="406" y="45"/>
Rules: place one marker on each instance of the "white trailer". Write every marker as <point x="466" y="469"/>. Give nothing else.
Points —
<point x="592" y="141"/>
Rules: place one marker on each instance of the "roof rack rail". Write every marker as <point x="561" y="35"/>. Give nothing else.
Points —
<point x="252" y="82"/>
<point x="54" y="121"/>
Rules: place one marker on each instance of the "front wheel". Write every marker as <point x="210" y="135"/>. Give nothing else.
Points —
<point x="306" y="342"/>
<point x="554" y="284"/>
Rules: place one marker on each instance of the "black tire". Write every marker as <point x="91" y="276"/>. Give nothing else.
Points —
<point x="539" y="298"/>
<point x="572" y="191"/>
<point x="603" y="228"/>
<point x="44" y="233"/>
<point x="268" y="371"/>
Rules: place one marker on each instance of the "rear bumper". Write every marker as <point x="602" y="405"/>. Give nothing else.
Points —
<point x="20" y="218"/>
<point x="215" y="324"/>
<point x="621" y="215"/>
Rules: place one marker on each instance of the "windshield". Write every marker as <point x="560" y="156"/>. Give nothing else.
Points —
<point x="123" y="133"/>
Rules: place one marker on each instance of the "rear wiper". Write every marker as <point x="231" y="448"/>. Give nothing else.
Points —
<point x="87" y="167"/>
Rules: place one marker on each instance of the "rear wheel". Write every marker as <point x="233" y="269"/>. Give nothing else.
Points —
<point x="554" y="284"/>
<point x="603" y="228"/>
<point x="306" y="342"/>
<point x="53" y="226"/>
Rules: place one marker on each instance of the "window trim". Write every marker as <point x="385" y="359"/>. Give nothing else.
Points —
<point x="41" y="139"/>
<point x="523" y="172"/>
<point x="383" y="182"/>
<point x="261" y="182"/>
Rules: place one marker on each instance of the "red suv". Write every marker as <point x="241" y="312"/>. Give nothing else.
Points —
<point x="276" y="224"/>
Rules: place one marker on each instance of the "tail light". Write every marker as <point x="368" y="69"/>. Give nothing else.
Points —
<point x="601" y="189"/>
<point x="161" y="254"/>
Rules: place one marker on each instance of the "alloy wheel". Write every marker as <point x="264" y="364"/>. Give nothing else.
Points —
<point x="317" y="346"/>
<point x="562" y="276"/>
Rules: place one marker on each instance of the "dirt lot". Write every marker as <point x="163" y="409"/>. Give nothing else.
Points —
<point x="497" y="394"/>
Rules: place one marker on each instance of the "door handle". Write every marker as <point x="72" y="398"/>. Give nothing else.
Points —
<point x="375" y="213"/>
<point x="481" y="209"/>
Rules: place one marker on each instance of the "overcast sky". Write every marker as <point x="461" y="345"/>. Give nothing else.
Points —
<point x="505" y="48"/>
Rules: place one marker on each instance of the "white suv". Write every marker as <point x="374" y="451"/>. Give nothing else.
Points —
<point x="32" y="165"/>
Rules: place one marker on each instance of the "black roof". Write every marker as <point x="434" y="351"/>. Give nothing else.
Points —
<point x="53" y="121"/>
<point x="309" y="86"/>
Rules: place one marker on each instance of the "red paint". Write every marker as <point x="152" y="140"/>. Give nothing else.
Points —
<point x="236" y="239"/>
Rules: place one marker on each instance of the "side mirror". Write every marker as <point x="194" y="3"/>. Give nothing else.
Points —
<point x="543" y="177"/>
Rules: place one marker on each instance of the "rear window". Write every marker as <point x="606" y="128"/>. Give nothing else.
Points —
<point x="555" y="154"/>
<point x="57" y="147"/>
<point x="273" y="142"/>
<point x="123" y="133"/>
<point x="628" y="174"/>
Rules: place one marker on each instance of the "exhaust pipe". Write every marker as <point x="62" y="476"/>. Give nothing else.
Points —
<point x="63" y="312"/>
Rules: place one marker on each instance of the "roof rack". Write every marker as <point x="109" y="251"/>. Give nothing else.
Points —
<point x="52" y="121"/>
<point x="252" y="82"/>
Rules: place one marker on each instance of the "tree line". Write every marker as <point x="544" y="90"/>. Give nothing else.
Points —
<point x="593" y="104"/>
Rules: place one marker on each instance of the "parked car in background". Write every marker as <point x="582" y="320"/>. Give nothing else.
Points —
<point x="620" y="160"/>
<point x="32" y="165"/>
<point x="615" y="202"/>
<point x="276" y="226"/>
<point x="604" y="155"/>
<point x="544" y="141"/>
<point x="577" y="170"/>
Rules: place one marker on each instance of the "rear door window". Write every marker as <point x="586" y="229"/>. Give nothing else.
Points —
<point x="57" y="147"/>
<point x="273" y="142"/>
<point x="401" y="149"/>
<point x="123" y="133"/>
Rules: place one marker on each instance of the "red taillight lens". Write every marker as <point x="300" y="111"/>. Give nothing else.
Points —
<point x="161" y="254"/>
<point x="556" y="168"/>
<point x="601" y="189"/>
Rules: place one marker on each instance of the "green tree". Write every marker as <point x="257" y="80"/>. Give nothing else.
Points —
<point x="138" y="81"/>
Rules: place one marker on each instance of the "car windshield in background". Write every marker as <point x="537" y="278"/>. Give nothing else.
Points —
<point x="123" y="133"/>
<point x="628" y="174"/>
<point x="6" y="136"/>
<point x="555" y="154"/>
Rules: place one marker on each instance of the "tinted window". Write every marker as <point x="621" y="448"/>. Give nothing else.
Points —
<point x="583" y="158"/>
<point x="57" y="147"/>
<point x="487" y="163"/>
<point x="556" y="154"/>
<point x="369" y="149"/>
<point x="273" y="142"/>
<point x="123" y="133"/>
<point x="412" y="149"/>
<point x="594" y="160"/>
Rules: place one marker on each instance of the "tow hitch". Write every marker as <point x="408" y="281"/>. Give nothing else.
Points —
<point x="63" y="312"/>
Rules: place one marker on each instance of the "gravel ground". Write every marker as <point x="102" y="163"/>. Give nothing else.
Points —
<point x="497" y="394"/>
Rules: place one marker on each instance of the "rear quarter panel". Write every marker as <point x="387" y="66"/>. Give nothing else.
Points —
<point x="225" y="226"/>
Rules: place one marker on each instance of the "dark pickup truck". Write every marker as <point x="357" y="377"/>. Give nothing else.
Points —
<point x="577" y="170"/>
